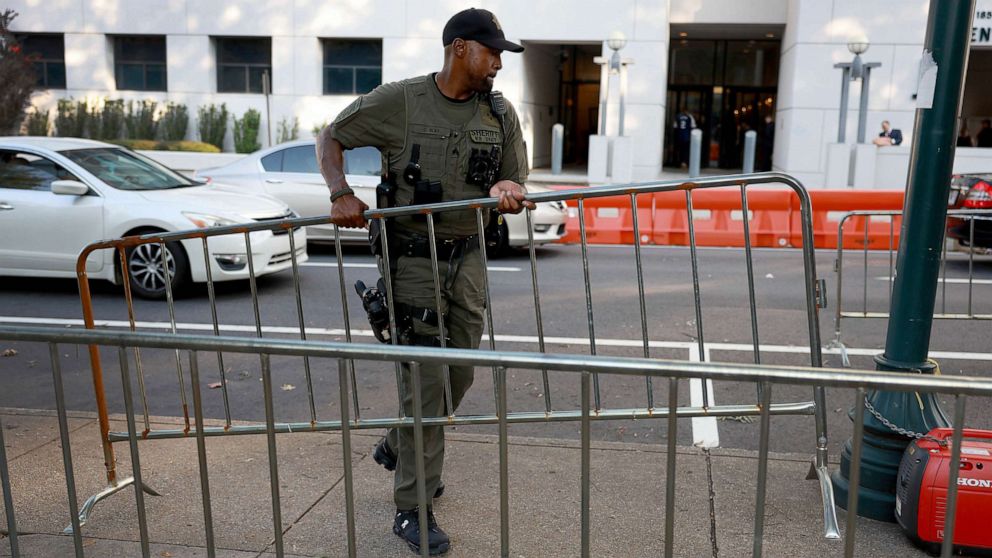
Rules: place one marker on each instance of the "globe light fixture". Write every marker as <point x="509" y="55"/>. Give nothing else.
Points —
<point x="617" y="40"/>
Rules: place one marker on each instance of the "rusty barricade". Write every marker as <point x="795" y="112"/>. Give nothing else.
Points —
<point x="876" y="234"/>
<point x="812" y="289"/>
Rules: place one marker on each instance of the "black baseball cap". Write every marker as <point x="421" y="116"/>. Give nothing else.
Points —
<point x="478" y="25"/>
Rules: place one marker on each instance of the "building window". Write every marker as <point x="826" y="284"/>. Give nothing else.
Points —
<point x="352" y="66"/>
<point x="241" y="64"/>
<point x="139" y="63"/>
<point x="48" y="53"/>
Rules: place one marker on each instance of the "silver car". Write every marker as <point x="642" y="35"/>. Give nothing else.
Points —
<point x="289" y="172"/>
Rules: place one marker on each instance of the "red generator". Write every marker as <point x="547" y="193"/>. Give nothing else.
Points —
<point x="921" y="492"/>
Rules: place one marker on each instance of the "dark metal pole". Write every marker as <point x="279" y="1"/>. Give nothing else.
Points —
<point x="918" y="265"/>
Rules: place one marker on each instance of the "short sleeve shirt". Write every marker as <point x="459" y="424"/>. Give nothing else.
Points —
<point x="379" y="119"/>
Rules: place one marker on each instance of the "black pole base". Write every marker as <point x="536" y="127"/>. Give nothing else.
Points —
<point x="883" y="448"/>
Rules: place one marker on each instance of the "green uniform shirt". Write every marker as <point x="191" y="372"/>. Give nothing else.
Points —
<point x="396" y="116"/>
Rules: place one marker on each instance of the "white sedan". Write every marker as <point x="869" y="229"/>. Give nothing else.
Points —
<point x="289" y="172"/>
<point x="58" y="195"/>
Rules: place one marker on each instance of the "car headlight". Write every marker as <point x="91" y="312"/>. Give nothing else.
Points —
<point x="205" y="220"/>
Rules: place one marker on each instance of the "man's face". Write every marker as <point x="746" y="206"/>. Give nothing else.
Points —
<point x="481" y="65"/>
<point x="885" y="126"/>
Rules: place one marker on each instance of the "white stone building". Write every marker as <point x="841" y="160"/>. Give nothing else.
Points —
<point x="730" y="63"/>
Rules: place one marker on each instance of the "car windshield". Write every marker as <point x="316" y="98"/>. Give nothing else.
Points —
<point x="126" y="170"/>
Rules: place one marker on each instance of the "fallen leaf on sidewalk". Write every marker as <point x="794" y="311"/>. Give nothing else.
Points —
<point x="288" y="387"/>
<point x="165" y="554"/>
<point x="8" y="352"/>
<point x="215" y="385"/>
<point x="769" y="276"/>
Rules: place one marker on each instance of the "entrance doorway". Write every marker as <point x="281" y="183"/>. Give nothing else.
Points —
<point x="578" y="103"/>
<point x="729" y="87"/>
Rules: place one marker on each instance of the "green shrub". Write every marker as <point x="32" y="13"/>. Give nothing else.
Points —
<point x="318" y="127"/>
<point x="37" y="123"/>
<point x="136" y="144"/>
<point x="107" y="123"/>
<point x="17" y="76"/>
<point x="174" y="121"/>
<point x="212" y="124"/>
<point x="140" y="119"/>
<point x="246" y="132"/>
<point x="287" y="133"/>
<point x="197" y="146"/>
<point x="71" y="117"/>
<point x="152" y="145"/>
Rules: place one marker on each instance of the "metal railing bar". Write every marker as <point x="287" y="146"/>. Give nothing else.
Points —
<point x="829" y="377"/>
<point x="253" y="283"/>
<point x="418" y="444"/>
<point x="303" y="332"/>
<point x="343" y="287"/>
<point x="588" y="290"/>
<point x="394" y="340"/>
<point x="441" y="315"/>
<point x="752" y="304"/>
<point x="670" y="471"/>
<point x="947" y="547"/>
<point x="864" y="297"/>
<point x="892" y="240"/>
<point x="971" y="263"/>
<point x="172" y="324"/>
<point x="216" y="323"/>
<point x="537" y="307"/>
<point x="70" y="476"/>
<point x="783" y="409"/>
<point x="129" y="300"/>
<point x="270" y="433"/>
<point x="855" y="473"/>
<point x="697" y="300"/>
<point x="201" y="455"/>
<point x="638" y="264"/>
<point x="936" y="316"/>
<point x="139" y="496"/>
<point x="759" y="505"/>
<point x="504" y="466"/>
<point x="585" y="476"/>
<point x="349" y="487"/>
<point x="481" y="232"/>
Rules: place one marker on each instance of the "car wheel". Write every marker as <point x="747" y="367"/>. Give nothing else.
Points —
<point x="145" y="271"/>
<point x="500" y="245"/>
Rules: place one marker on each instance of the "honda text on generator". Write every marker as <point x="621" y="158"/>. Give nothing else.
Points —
<point x="922" y="491"/>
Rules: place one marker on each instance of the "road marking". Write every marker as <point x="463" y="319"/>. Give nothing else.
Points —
<point x="952" y="280"/>
<point x="375" y="266"/>
<point x="704" y="429"/>
<point x="339" y="332"/>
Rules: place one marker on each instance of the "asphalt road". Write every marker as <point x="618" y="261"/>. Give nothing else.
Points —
<point x="782" y="331"/>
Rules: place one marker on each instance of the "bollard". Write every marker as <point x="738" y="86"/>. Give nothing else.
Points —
<point x="750" y="139"/>
<point x="695" y="146"/>
<point x="557" y="145"/>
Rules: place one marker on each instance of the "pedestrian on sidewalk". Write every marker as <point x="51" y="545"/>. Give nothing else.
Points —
<point x="446" y="136"/>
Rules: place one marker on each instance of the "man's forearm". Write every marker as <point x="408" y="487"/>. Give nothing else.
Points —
<point x="330" y="158"/>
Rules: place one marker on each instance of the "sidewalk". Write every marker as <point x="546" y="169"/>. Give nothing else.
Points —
<point x="628" y="484"/>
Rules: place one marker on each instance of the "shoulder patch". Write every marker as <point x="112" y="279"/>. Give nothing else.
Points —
<point x="485" y="136"/>
<point x="349" y="111"/>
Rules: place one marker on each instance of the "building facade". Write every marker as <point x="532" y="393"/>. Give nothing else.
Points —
<point x="763" y="65"/>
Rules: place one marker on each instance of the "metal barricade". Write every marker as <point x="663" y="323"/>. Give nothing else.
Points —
<point x="812" y="288"/>
<point x="966" y="219"/>
<point x="767" y="377"/>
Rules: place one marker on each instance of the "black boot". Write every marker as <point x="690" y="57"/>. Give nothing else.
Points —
<point x="383" y="455"/>
<point x="407" y="527"/>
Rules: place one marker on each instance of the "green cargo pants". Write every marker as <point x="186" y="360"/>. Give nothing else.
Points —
<point x="463" y="307"/>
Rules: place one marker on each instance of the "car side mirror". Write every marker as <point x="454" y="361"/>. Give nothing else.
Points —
<point x="69" y="188"/>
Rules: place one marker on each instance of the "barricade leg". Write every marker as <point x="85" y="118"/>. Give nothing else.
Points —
<point x="8" y="500"/>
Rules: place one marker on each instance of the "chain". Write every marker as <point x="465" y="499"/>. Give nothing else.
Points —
<point x="900" y="430"/>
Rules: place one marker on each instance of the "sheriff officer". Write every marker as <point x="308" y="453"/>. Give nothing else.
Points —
<point x="445" y="136"/>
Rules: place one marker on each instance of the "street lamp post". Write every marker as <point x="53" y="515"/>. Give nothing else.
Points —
<point x="907" y="342"/>
<point x="613" y="66"/>
<point x="853" y="71"/>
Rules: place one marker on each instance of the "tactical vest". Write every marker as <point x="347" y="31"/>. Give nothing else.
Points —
<point x="445" y="147"/>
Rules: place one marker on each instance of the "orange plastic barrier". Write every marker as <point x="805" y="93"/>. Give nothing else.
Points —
<point x="718" y="218"/>
<point x="830" y="205"/>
